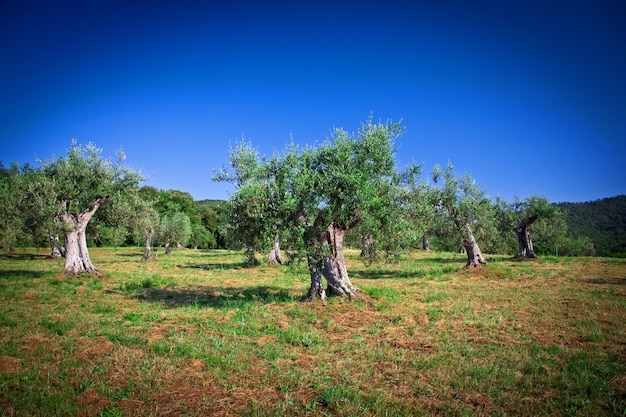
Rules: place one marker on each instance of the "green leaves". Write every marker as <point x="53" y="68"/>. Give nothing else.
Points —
<point x="343" y="180"/>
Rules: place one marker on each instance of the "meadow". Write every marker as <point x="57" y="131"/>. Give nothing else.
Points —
<point x="199" y="333"/>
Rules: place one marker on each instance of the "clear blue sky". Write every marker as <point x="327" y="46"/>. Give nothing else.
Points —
<point x="527" y="96"/>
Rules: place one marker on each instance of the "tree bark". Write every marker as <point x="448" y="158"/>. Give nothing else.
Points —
<point x="316" y="290"/>
<point x="274" y="257"/>
<point x="524" y="239"/>
<point x="425" y="243"/>
<point x="57" y="250"/>
<point x="146" y="253"/>
<point x="475" y="257"/>
<point x="77" y="260"/>
<point x="337" y="275"/>
<point x="368" y="250"/>
<point x="326" y="258"/>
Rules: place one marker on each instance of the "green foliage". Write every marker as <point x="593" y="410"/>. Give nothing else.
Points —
<point x="547" y="226"/>
<point x="346" y="180"/>
<point x="173" y="229"/>
<point x="202" y="238"/>
<point x="84" y="175"/>
<point x="170" y="202"/>
<point x="601" y="222"/>
<point x="459" y="202"/>
<point x="12" y="193"/>
<point x="203" y="215"/>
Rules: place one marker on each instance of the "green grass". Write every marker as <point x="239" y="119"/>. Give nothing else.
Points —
<point x="199" y="333"/>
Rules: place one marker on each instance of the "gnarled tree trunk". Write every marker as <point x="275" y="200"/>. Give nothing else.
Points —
<point x="274" y="258"/>
<point x="368" y="249"/>
<point x="57" y="250"/>
<point x="77" y="258"/>
<point x="326" y="258"/>
<point x="146" y="253"/>
<point x="316" y="290"/>
<point x="523" y="238"/>
<point x="475" y="256"/>
<point x="337" y="276"/>
<point x="316" y="264"/>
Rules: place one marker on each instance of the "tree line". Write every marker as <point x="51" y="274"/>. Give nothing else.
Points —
<point x="601" y="223"/>
<point x="83" y="197"/>
<point x="312" y="202"/>
<point x="348" y="190"/>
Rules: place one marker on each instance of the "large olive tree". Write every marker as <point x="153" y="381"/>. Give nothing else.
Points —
<point x="81" y="182"/>
<point x="315" y="195"/>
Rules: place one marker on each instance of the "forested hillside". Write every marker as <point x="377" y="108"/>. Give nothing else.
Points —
<point x="603" y="221"/>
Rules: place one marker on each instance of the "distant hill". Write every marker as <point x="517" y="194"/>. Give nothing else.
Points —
<point x="603" y="221"/>
<point x="211" y="203"/>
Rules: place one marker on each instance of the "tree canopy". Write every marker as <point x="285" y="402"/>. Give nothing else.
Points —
<point x="313" y="196"/>
<point x="80" y="183"/>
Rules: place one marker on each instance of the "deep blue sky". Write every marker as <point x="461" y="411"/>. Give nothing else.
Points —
<point x="527" y="96"/>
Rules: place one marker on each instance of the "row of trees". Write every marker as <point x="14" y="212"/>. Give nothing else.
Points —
<point x="83" y="194"/>
<point x="313" y="201"/>
<point x="308" y="199"/>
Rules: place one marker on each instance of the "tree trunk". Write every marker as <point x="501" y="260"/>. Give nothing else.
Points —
<point x="146" y="253"/>
<point x="475" y="257"/>
<point x="274" y="258"/>
<point x="425" y="243"/>
<point x="77" y="260"/>
<point x="368" y="250"/>
<point x="337" y="275"/>
<point x="168" y="248"/>
<point x="316" y="290"/>
<point x="322" y="263"/>
<point x="336" y="284"/>
<point x="57" y="250"/>
<point x="524" y="240"/>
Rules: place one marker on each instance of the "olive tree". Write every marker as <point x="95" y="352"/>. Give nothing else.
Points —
<point x="522" y="216"/>
<point x="461" y="207"/>
<point x="315" y="195"/>
<point x="81" y="182"/>
<point x="175" y="228"/>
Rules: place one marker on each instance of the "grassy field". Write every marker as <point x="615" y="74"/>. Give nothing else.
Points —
<point x="197" y="333"/>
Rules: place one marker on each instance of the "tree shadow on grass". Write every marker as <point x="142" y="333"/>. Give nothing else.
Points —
<point x="607" y="281"/>
<point x="215" y="297"/>
<point x="386" y="274"/>
<point x="24" y="274"/>
<point x="130" y="254"/>
<point x="461" y="259"/>
<point x="24" y="256"/>
<point x="220" y="266"/>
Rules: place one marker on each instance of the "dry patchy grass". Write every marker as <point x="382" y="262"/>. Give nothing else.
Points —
<point x="199" y="333"/>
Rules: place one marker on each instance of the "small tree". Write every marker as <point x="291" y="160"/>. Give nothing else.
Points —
<point x="143" y="220"/>
<point x="461" y="207"/>
<point x="173" y="229"/>
<point x="252" y="217"/>
<point x="82" y="181"/>
<point x="520" y="217"/>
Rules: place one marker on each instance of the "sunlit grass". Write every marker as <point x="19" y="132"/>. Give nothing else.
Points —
<point x="199" y="333"/>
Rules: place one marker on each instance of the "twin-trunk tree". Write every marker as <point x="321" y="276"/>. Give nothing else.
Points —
<point x="81" y="183"/>
<point x="313" y="197"/>
<point x="521" y="215"/>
